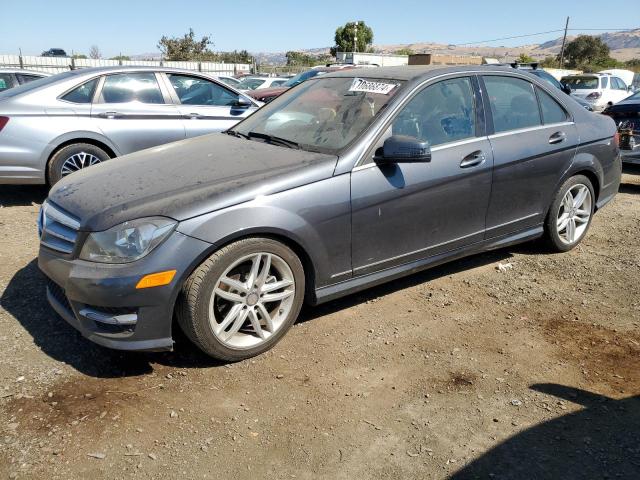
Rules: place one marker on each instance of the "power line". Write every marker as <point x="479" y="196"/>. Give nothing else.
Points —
<point x="543" y="33"/>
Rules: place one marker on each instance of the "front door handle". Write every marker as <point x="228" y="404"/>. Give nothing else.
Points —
<point x="557" y="137"/>
<point x="473" y="159"/>
<point x="195" y="116"/>
<point x="110" y="115"/>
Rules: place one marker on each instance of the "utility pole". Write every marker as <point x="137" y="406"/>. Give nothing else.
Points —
<point x="355" y="37"/>
<point x="564" y="40"/>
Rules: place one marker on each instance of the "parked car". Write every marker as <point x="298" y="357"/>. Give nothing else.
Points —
<point x="626" y="114"/>
<point x="344" y="182"/>
<point x="232" y="81"/>
<point x="54" y="126"/>
<point x="248" y="84"/>
<point x="54" y="52"/>
<point x="12" y="77"/>
<point x="599" y="89"/>
<point x="268" y="94"/>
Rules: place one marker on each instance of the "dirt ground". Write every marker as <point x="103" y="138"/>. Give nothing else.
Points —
<point x="463" y="371"/>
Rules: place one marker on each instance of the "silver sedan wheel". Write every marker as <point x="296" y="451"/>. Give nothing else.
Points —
<point x="251" y="300"/>
<point x="78" y="161"/>
<point x="574" y="214"/>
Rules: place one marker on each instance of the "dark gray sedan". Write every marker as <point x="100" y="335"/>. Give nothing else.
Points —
<point x="345" y="181"/>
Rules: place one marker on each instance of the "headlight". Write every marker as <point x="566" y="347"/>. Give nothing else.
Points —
<point x="128" y="241"/>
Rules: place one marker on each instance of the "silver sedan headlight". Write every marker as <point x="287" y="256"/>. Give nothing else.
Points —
<point x="128" y="241"/>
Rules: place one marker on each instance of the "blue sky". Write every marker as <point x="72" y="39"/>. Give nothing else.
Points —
<point x="135" y="26"/>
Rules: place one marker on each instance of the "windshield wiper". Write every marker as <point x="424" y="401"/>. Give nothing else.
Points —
<point x="236" y="134"/>
<point x="273" y="139"/>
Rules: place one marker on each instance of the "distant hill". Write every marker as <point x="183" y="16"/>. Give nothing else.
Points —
<point x="623" y="45"/>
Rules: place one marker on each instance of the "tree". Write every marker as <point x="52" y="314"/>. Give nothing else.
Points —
<point x="234" y="57"/>
<point x="550" y="62"/>
<point x="186" y="48"/>
<point x="403" y="51"/>
<point x="586" y="50"/>
<point x="524" y="58"/>
<point x="95" y="52"/>
<point x="79" y="56"/>
<point x="345" y="38"/>
<point x="120" y="57"/>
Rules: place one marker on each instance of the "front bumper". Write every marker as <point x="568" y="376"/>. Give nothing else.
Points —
<point x="102" y="303"/>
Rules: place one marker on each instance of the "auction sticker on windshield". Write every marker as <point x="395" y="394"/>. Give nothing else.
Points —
<point x="369" y="86"/>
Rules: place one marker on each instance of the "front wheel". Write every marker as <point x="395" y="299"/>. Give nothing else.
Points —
<point x="242" y="300"/>
<point x="570" y="214"/>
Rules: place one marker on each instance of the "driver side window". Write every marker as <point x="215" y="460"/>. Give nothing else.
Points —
<point x="198" y="91"/>
<point x="441" y="113"/>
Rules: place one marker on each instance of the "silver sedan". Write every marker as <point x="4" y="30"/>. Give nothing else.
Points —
<point x="55" y="126"/>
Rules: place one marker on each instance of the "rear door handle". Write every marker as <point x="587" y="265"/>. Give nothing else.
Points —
<point x="557" y="137"/>
<point x="110" y="115"/>
<point x="473" y="159"/>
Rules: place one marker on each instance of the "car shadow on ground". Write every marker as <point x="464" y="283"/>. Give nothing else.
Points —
<point x="24" y="298"/>
<point x="602" y="440"/>
<point x="22" y="195"/>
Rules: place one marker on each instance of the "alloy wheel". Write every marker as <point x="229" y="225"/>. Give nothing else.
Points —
<point x="574" y="214"/>
<point x="78" y="161"/>
<point x="251" y="300"/>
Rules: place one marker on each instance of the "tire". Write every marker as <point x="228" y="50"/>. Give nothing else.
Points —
<point x="558" y="237"/>
<point x="203" y="308"/>
<point x="63" y="160"/>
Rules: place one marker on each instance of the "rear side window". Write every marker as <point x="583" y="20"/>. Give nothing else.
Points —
<point x="513" y="103"/>
<point x="132" y="87"/>
<point x="441" y="113"/>
<point x="6" y="82"/>
<point x="83" y="93"/>
<point x="552" y="112"/>
<point x="604" y="82"/>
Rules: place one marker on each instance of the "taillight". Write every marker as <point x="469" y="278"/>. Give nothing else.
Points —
<point x="616" y="140"/>
<point x="594" y="95"/>
<point x="3" y="122"/>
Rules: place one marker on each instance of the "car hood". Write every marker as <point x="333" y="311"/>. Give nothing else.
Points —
<point x="185" y="179"/>
<point x="267" y="92"/>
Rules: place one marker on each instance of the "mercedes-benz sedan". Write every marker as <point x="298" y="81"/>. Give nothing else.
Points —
<point x="55" y="126"/>
<point x="346" y="181"/>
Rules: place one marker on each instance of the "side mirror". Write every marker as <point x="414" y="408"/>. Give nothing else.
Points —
<point x="242" y="102"/>
<point x="403" y="149"/>
<point x="566" y="89"/>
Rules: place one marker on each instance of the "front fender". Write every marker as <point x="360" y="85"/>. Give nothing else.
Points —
<point x="314" y="217"/>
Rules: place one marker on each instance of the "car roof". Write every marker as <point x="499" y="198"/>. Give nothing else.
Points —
<point x="135" y="68"/>
<point x="416" y="72"/>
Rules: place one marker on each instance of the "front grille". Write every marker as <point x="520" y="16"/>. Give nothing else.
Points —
<point x="58" y="230"/>
<point x="57" y="292"/>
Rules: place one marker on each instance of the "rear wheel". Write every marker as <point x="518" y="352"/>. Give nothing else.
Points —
<point x="72" y="158"/>
<point x="570" y="214"/>
<point x="242" y="300"/>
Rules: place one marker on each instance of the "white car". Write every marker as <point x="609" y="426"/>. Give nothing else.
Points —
<point x="258" y="83"/>
<point x="599" y="89"/>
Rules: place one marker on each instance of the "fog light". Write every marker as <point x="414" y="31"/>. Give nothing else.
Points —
<point x="156" y="279"/>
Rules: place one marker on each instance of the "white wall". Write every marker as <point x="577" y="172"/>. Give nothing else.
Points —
<point x="62" y="64"/>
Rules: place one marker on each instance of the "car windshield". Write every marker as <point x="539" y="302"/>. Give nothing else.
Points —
<point x="250" y="83"/>
<point x="323" y="115"/>
<point x="41" y="82"/>
<point x="581" y="83"/>
<point x="301" y="77"/>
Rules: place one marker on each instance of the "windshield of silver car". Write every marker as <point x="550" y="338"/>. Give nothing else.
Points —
<point x="323" y="115"/>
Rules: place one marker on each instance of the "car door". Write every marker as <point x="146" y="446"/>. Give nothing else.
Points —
<point x="409" y="211"/>
<point x="135" y="113"/>
<point x="620" y="90"/>
<point x="205" y="105"/>
<point x="534" y="141"/>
